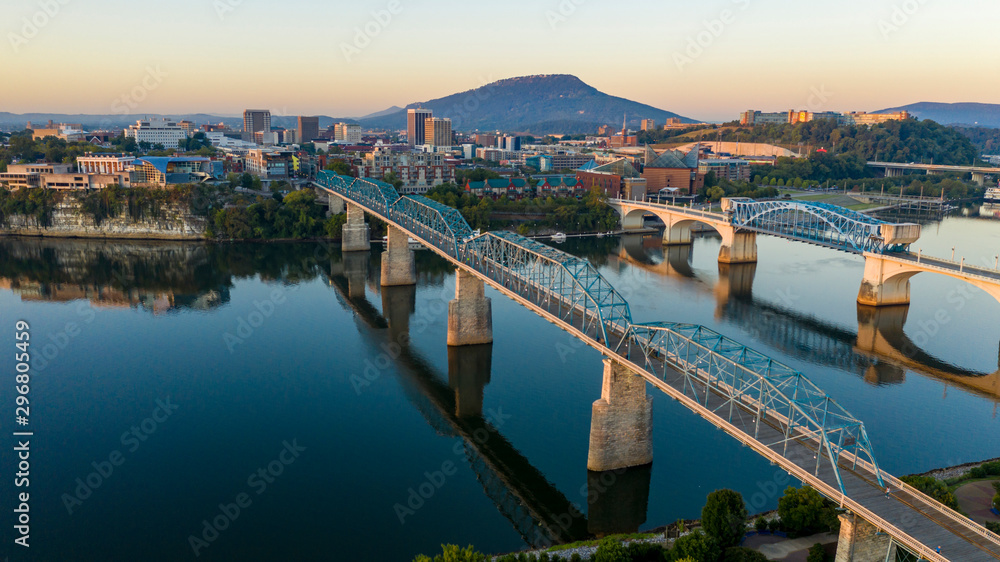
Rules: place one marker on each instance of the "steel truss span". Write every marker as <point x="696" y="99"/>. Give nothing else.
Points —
<point x="813" y="221"/>
<point x="766" y="405"/>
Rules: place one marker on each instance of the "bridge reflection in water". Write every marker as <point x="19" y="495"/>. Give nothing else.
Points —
<point x="453" y="405"/>
<point x="880" y="351"/>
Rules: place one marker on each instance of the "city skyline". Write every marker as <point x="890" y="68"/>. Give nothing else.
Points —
<point x="349" y="61"/>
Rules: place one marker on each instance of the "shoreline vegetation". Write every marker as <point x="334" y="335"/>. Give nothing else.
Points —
<point x="724" y="524"/>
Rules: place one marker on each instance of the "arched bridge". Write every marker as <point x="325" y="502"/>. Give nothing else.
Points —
<point x="888" y="263"/>
<point x="768" y="406"/>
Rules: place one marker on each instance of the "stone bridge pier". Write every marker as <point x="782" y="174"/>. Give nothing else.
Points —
<point x="355" y="232"/>
<point x="860" y="541"/>
<point x="469" y="370"/>
<point x="398" y="305"/>
<point x="398" y="267"/>
<point x="621" y="424"/>
<point x="470" y="315"/>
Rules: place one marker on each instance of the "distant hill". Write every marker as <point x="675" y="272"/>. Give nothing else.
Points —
<point x="981" y="114"/>
<point x="551" y="103"/>
<point x="117" y="121"/>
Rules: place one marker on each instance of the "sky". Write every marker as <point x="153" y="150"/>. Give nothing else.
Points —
<point x="706" y="60"/>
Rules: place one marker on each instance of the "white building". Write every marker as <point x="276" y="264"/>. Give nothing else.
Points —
<point x="347" y="133"/>
<point x="91" y="163"/>
<point x="157" y="131"/>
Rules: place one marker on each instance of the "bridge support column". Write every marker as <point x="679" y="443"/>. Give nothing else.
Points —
<point x="355" y="232"/>
<point x="883" y="285"/>
<point x="738" y="247"/>
<point x="398" y="267"/>
<point x="677" y="231"/>
<point x="469" y="370"/>
<point x="860" y="541"/>
<point x="979" y="179"/>
<point x="621" y="423"/>
<point x="470" y="315"/>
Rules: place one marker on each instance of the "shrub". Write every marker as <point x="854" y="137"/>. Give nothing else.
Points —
<point x="697" y="546"/>
<point x="993" y="526"/>
<point x="816" y="553"/>
<point x="576" y="557"/>
<point x="774" y="525"/>
<point x="724" y="517"/>
<point x="610" y="550"/>
<point x="452" y="553"/>
<point x="760" y="524"/>
<point x="803" y="511"/>
<point x="933" y="488"/>
<point x="646" y="552"/>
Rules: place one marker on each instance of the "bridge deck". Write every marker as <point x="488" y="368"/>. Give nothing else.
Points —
<point x="939" y="264"/>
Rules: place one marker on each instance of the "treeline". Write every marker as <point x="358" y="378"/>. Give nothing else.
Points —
<point x="714" y="189"/>
<point x="297" y="215"/>
<point x="589" y="214"/>
<point x="893" y="141"/>
<point x="24" y="148"/>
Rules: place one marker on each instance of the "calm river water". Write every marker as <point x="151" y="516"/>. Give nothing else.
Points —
<point x="277" y="381"/>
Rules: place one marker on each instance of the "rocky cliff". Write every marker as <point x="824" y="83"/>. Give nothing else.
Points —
<point x="69" y="220"/>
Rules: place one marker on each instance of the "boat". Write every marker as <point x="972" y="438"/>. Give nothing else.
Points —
<point x="993" y="195"/>
<point x="559" y="237"/>
<point x="413" y="243"/>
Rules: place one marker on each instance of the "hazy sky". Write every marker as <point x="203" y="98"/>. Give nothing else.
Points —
<point x="705" y="60"/>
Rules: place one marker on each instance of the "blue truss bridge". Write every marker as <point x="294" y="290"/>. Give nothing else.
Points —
<point x="769" y="407"/>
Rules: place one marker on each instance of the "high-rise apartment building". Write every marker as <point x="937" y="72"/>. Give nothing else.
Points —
<point x="157" y="131"/>
<point x="416" y="125"/>
<point x="648" y="125"/>
<point x="308" y="129"/>
<point x="437" y="132"/>
<point x="347" y="132"/>
<point x="255" y="120"/>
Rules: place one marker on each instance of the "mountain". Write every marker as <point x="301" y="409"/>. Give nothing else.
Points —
<point x="390" y="111"/>
<point x="983" y="114"/>
<point x="548" y="103"/>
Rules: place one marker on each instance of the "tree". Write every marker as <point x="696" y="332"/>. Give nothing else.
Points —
<point x="392" y="179"/>
<point x="741" y="554"/>
<point x="804" y="511"/>
<point x="933" y="488"/>
<point x="724" y="517"/>
<point x="696" y="545"/>
<point x="452" y="553"/>
<point x="816" y="553"/>
<point x="610" y="550"/>
<point x="341" y="167"/>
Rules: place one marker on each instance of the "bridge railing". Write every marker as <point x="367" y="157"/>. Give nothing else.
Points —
<point x="674" y="209"/>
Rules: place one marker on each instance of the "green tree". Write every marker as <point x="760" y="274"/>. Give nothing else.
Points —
<point x="816" y="553"/>
<point x="452" y="553"/>
<point x="740" y="554"/>
<point x="724" y="517"/>
<point x="804" y="511"/>
<point x="933" y="488"/>
<point x="341" y="167"/>
<point x="696" y="545"/>
<point x="611" y="550"/>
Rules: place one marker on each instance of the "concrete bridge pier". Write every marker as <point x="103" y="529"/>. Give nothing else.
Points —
<point x="860" y="541"/>
<point x="737" y="246"/>
<point x="617" y="500"/>
<point x="398" y="267"/>
<point x="355" y="233"/>
<point x="677" y="231"/>
<point x="469" y="370"/>
<point x="470" y="315"/>
<point x="356" y="271"/>
<point x="884" y="283"/>
<point x="735" y="282"/>
<point x="337" y="205"/>
<point x="621" y="424"/>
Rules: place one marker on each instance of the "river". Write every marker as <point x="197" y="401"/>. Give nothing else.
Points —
<point x="277" y="395"/>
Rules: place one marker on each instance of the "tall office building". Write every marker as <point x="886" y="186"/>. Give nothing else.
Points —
<point x="437" y="132"/>
<point x="256" y="120"/>
<point x="308" y="129"/>
<point x="648" y="125"/>
<point x="415" y="125"/>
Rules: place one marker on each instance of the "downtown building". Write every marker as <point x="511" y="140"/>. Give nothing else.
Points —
<point x="166" y="132"/>
<point x="419" y="171"/>
<point x="793" y="116"/>
<point x="416" y="125"/>
<point x="254" y="121"/>
<point x="308" y="129"/>
<point x="347" y="133"/>
<point x="437" y="132"/>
